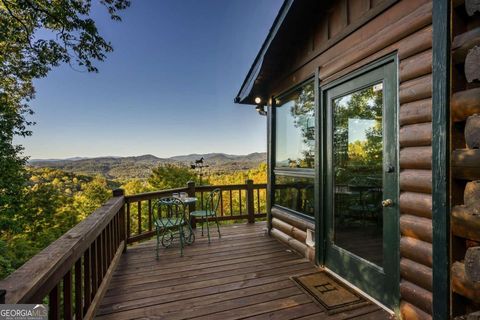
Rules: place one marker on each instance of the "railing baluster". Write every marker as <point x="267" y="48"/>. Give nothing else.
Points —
<point x="67" y="295"/>
<point x="87" y="280"/>
<point x="94" y="268"/>
<point x="128" y="221"/>
<point x="54" y="303"/>
<point x="240" y="200"/>
<point x="78" y="289"/>
<point x="150" y="215"/>
<point x="99" y="260"/>
<point x="258" y="201"/>
<point x="108" y="233"/>
<point x="231" y="203"/>
<point x="104" y="254"/>
<point x="139" y="209"/>
<point x="221" y="203"/>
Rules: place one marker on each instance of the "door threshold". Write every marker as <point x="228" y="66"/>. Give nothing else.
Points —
<point x="359" y="291"/>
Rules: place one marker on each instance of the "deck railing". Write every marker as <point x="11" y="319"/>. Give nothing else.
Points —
<point x="72" y="274"/>
<point x="237" y="202"/>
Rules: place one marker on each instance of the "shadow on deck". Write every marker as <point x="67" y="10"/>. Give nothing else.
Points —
<point x="245" y="274"/>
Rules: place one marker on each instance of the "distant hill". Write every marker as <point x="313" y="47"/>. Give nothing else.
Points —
<point x="140" y="167"/>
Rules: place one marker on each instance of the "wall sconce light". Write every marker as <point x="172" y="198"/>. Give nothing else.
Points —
<point x="258" y="100"/>
<point x="261" y="110"/>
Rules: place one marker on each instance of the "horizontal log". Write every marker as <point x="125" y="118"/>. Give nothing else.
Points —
<point x="416" y="295"/>
<point x="394" y="32"/>
<point x="466" y="221"/>
<point x="471" y="193"/>
<point x="419" y="134"/>
<point x="471" y="243"/>
<point x="409" y="311"/>
<point x="418" y="204"/>
<point x="289" y="230"/>
<point x="472" y="64"/>
<point x="416" y="158"/>
<point x="416" y="180"/>
<point x="416" y="112"/>
<point x="465" y="104"/>
<point x="416" y="66"/>
<point x="415" y="43"/>
<point x="461" y="285"/>
<point x="462" y="43"/>
<point x="416" y="227"/>
<point x="466" y="164"/>
<point x="472" y="131"/>
<point x="296" y="245"/>
<point x="416" y="250"/>
<point x="416" y="273"/>
<point x="416" y="89"/>
<point x="411" y="45"/>
<point x="472" y="264"/>
<point x="295" y="221"/>
<point x="310" y="254"/>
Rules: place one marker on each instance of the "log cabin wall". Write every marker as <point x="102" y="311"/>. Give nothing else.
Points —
<point x="403" y="27"/>
<point x="465" y="159"/>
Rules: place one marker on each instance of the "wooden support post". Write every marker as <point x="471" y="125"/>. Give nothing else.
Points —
<point x="191" y="207"/>
<point x="121" y="215"/>
<point x="441" y="74"/>
<point x="250" y="201"/>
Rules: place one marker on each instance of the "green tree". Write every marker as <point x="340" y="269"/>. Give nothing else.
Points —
<point x="68" y="35"/>
<point x="169" y="176"/>
<point x="91" y="197"/>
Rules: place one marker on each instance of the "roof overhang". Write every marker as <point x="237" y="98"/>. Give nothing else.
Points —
<point x="246" y="94"/>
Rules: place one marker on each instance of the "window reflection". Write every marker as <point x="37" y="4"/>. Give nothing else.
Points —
<point x="295" y="193"/>
<point x="357" y="155"/>
<point x="295" y="129"/>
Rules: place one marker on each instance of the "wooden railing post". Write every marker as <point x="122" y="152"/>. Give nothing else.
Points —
<point x="250" y="201"/>
<point x="191" y="207"/>
<point x="121" y="216"/>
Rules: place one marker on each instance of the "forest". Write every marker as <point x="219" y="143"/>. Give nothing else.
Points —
<point x="53" y="201"/>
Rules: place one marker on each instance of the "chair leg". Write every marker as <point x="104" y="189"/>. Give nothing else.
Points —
<point x="202" y="227"/>
<point x="208" y="229"/>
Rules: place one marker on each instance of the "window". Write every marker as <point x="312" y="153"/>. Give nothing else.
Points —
<point x="295" y="193"/>
<point x="295" y="129"/>
<point x="294" y="161"/>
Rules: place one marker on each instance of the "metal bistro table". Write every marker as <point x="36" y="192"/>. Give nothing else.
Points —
<point x="189" y="235"/>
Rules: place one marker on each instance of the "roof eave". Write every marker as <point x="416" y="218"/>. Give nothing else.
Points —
<point x="244" y="94"/>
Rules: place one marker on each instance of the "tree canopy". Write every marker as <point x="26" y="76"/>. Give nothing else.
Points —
<point x="35" y="36"/>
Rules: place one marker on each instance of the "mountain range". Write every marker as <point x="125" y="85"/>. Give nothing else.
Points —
<point x="140" y="166"/>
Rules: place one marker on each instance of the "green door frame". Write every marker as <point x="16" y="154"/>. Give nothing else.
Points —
<point x="381" y="285"/>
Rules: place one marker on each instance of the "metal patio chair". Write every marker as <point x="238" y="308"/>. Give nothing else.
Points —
<point x="209" y="211"/>
<point x="171" y="222"/>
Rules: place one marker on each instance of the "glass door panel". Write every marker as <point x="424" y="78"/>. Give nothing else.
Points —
<point x="357" y="165"/>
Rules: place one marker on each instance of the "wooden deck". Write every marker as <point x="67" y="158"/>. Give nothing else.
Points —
<point x="245" y="274"/>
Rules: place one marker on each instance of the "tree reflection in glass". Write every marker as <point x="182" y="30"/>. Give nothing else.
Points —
<point x="295" y="129"/>
<point x="357" y="165"/>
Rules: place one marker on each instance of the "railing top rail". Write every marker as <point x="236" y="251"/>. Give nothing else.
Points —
<point x="41" y="273"/>
<point x="153" y="194"/>
<point x="229" y="187"/>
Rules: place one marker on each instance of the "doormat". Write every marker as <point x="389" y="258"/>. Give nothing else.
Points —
<point x="329" y="293"/>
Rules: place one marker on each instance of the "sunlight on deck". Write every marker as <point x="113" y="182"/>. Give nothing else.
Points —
<point x="245" y="274"/>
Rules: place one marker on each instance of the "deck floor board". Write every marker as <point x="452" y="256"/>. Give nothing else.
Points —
<point x="243" y="275"/>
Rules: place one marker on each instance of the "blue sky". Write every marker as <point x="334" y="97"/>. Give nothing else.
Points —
<point x="166" y="90"/>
